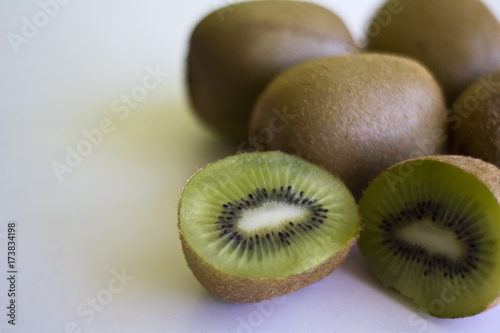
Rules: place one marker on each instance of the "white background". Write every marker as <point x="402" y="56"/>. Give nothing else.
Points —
<point x="116" y="211"/>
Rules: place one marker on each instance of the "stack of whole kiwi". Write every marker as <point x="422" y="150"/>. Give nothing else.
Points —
<point x="410" y="124"/>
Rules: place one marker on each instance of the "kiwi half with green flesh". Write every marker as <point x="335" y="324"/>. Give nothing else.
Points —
<point x="475" y="120"/>
<point x="458" y="40"/>
<point x="354" y="115"/>
<point x="236" y="50"/>
<point x="259" y="225"/>
<point x="431" y="230"/>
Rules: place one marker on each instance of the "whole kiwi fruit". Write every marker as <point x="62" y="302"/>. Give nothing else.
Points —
<point x="236" y="50"/>
<point x="458" y="40"/>
<point x="431" y="230"/>
<point x="259" y="225"/>
<point x="475" y="120"/>
<point x="355" y="115"/>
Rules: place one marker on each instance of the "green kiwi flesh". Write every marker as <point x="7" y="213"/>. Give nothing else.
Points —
<point x="259" y="225"/>
<point x="475" y="120"/>
<point x="431" y="230"/>
<point x="236" y="50"/>
<point x="458" y="40"/>
<point x="355" y="115"/>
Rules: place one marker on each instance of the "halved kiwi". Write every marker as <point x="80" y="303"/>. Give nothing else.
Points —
<point x="259" y="225"/>
<point x="432" y="231"/>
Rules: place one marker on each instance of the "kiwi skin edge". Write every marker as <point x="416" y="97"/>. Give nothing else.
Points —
<point x="251" y="290"/>
<point x="485" y="172"/>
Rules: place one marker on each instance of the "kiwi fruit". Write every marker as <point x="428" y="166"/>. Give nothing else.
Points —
<point x="475" y="120"/>
<point x="236" y="50"/>
<point x="431" y="230"/>
<point x="458" y="40"/>
<point x="355" y="115"/>
<point x="259" y="225"/>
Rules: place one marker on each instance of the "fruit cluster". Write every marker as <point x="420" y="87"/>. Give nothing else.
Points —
<point x="379" y="119"/>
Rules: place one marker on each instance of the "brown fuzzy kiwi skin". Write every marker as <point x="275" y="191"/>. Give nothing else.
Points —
<point x="355" y="115"/>
<point x="458" y="40"/>
<point x="235" y="51"/>
<point x="250" y="290"/>
<point x="475" y="129"/>
<point x="486" y="172"/>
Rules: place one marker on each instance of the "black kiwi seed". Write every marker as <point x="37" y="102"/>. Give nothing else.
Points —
<point x="233" y="211"/>
<point x="433" y="211"/>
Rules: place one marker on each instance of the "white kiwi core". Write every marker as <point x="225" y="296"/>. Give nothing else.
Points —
<point x="270" y="216"/>
<point x="432" y="238"/>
